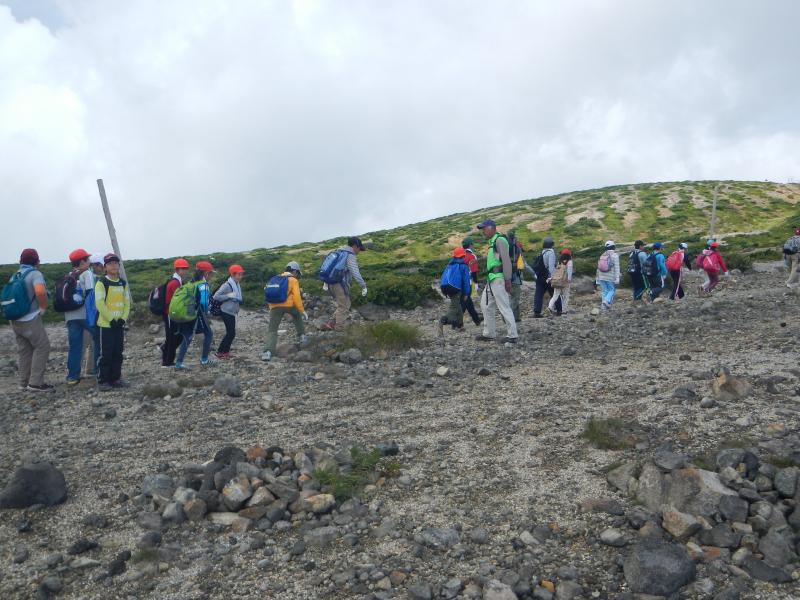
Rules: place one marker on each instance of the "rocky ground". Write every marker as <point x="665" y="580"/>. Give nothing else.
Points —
<point x="495" y="492"/>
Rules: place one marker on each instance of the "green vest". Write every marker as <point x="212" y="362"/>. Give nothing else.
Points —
<point x="493" y="262"/>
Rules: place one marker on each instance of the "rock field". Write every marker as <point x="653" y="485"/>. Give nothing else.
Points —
<point x="479" y="470"/>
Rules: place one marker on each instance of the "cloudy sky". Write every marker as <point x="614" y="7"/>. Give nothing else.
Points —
<point x="251" y="123"/>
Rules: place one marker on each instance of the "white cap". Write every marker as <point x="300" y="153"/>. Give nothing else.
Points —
<point x="609" y="243"/>
<point x="293" y="266"/>
<point x="96" y="259"/>
<point x="683" y="246"/>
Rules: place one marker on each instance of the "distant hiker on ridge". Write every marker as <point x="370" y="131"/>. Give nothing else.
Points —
<point x="497" y="293"/>
<point x="337" y="272"/>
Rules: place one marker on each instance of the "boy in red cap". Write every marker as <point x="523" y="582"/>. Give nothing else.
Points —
<point x="172" y="335"/>
<point x="71" y="294"/>
<point x="113" y="307"/>
<point x="229" y="296"/>
<point x="33" y="345"/>
<point x="456" y="283"/>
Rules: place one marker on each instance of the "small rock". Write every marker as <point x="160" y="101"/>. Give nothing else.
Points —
<point x="613" y="537"/>
<point x="497" y="590"/>
<point x="236" y="492"/>
<point x="229" y="386"/>
<point x="708" y="402"/>
<point x="319" y="504"/>
<point x="51" y="585"/>
<point x="81" y="546"/>
<point x="680" y="525"/>
<point x="443" y="371"/>
<point x="479" y="535"/>
<point x="420" y="591"/>
<point x="351" y="356"/>
<point x="20" y="556"/>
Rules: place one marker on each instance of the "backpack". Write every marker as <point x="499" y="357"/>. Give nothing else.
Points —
<point x="708" y="262"/>
<point x="91" y="308"/>
<point x="605" y="264"/>
<point x="64" y="298"/>
<point x="634" y="264"/>
<point x="559" y="279"/>
<point x="651" y="265"/>
<point x="214" y="305"/>
<point x="333" y="267"/>
<point x="451" y="279"/>
<point x="183" y="305"/>
<point x="675" y="261"/>
<point x="513" y="252"/>
<point x="14" y="299"/>
<point x="157" y="299"/>
<point x="539" y="267"/>
<point x="277" y="289"/>
<point x="792" y="245"/>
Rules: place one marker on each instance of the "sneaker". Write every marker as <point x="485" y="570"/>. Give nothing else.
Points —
<point x="483" y="338"/>
<point x="509" y="340"/>
<point x="303" y="339"/>
<point x="204" y="362"/>
<point x="180" y="367"/>
<point x="223" y="355"/>
<point x="480" y="320"/>
<point x="266" y="356"/>
<point x="39" y="388"/>
<point x="104" y="387"/>
<point x="73" y="381"/>
<point x="537" y="315"/>
<point x="119" y="384"/>
<point x="172" y="366"/>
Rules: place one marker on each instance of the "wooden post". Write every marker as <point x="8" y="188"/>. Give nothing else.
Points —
<point x="713" y="212"/>
<point x="111" y="231"/>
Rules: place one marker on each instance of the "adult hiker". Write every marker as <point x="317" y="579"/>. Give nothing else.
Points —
<point x="655" y="270"/>
<point x="70" y="299"/>
<point x="471" y="260"/>
<point x="113" y="307"/>
<point x="497" y="292"/>
<point x="455" y="284"/>
<point x="560" y="282"/>
<point x="229" y="297"/>
<point x="337" y="272"/>
<point x="172" y="333"/>
<point x="712" y="263"/>
<point x="607" y="276"/>
<point x="791" y="256"/>
<point x="199" y="292"/>
<point x="284" y="297"/>
<point x="23" y="302"/>
<point x="675" y="263"/>
<point x="636" y="260"/>
<point x="543" y="268"/>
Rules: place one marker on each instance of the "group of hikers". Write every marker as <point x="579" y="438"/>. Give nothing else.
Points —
<point x="96" y="304"/>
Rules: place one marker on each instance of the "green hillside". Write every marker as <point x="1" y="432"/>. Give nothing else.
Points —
<point x="753" y="220"/>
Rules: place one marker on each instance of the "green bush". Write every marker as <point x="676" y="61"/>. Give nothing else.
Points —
<point x="382" y="335"/>
<point x="348" y="485"/>
<point x="403" y="291"/>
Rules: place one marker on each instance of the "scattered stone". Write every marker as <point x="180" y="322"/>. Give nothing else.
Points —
<point x="236" y="492"/>
<point x="420" y="591"/>
<point x="708" y="402"/>
<point x="613" y="537"/>
<point x="764" y="572"/>
<point x="680" y="525"/>
<point x="158" y="485"/>
<point x="479" y="535"/>
<point x="319" y="504"/>
<point x="658" y="568"/>
<point x="50" y="585"/>
<point x="568" y="590"/>
<point x="81" y="546"/>
<point x="497" y="590"/>
<point x="484" y="371"/>
<point x="20" y="556"/>
<point x="440" y="538"/>
<point x="229" y="386"/>
<point x="786" y="481"/>
<point x="351" y="356"/>
<point x="36" y="483"/>
<point x="443" y="371"/>
<point x="322" y="537"/>
<point x="162" y="390"/>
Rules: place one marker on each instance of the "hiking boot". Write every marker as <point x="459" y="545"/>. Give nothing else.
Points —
<point x="480" y="320"/>
<point x="104" y="387"/>
<point x="39" y="388"/>
<point x="266" y="356"/>
<point x="483" y="338"/>
<point x="179" y="366"/>
<point x="119" y="383"/>
<point x="509" y="340"/>
<point x="223" y="355"/>
<point x="73" y="381"/>
<point x="537" y="315"/>
<point x="303" y="339"/>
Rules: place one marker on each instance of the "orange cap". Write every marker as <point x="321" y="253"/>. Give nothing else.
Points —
<point x="180" y="263"/>
<point x="78" y="254"/>
<point x="459" y="253"/>
<point x="234" y="269"/>
<point x="204" y="265"/>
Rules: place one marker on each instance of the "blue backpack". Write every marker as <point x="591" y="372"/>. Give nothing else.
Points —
<point x="14" y="299"/>
<point x="333" y="267"/>
<point x="451" y="279"/>
<point x="277" y="289"/>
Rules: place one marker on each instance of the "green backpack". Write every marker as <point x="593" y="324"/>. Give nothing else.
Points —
<point x="183" y="305"/>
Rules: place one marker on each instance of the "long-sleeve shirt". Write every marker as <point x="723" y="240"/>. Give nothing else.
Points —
<point x="37" y="291"/>
<point x="720" y="260"/>
<point x="172" y="285"/>
<point x="353" y="273"/>
<point x="293" y="297"/>
<point x="229" y="295"/>
<point x="661" y="261"/>
<point x="612" y="274"/>
<point x="114" y="304"/>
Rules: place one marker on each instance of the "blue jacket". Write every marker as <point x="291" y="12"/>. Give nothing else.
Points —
<point x="661" y="261"/>
<point x="463" y="280"/>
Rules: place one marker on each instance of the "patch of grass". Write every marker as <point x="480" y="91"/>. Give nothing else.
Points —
<point x="611" y="434"/>
<point x="392" y="469"/>
<point x="779" y="462"/>
<point x="350" y="484"/>
<point x="382" y="335"/>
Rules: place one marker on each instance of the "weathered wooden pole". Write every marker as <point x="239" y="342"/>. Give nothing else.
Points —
<point x="713" y="212"/>
<point x="111" y="231"/>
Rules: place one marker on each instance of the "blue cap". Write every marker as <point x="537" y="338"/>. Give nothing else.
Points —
<point x="487" y="223"/>
<point x="657" y="245"/>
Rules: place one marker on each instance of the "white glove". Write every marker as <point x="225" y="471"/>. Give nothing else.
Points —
<point x="305" y="316"/>
<point x="325" y="287"/>
<point x="364" y="292"/>
<point x="727" y="273"/>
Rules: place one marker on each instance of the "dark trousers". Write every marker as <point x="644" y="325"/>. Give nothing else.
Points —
<point x="455" y="315"/>
<point x="656" y="285"/>
<point x="542" y="288"/>
<point x="230" y="333"/>
<point x="637" y="280"/>
<point x="677" y="287"/>
<point x="469" y="306"/>
<point x="111" y="345"/>
<point x="172" y="339"/>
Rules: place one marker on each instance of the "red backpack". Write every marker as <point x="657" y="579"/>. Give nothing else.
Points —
<point x="675" y="261"/>
<point x="708" y="261"/>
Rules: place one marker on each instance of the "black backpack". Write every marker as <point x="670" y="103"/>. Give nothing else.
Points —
<point x="157" y="300"/>
<point x="634" y="264"/>
<point x="513" y="251"/>
<point x="539" y="267"/>
<point x="651" y="265"/>
<point x="63" y="300"/>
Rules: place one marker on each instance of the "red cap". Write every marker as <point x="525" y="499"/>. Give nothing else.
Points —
<point x="714" y="245"/>
<point x="566" y="251"/>
<point x="206" y="266"/>
<point x="234" y="269"/>
<point x="78" y="254"/>
<point x="180" y="263"/>
<point x="459" y="252"/>
<point x="29" y="256"/>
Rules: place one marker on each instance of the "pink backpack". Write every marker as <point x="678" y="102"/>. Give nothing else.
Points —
<point x="604" y="264"/>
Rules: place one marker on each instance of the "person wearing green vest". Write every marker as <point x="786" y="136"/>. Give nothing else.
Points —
<point x="497" y="292"/>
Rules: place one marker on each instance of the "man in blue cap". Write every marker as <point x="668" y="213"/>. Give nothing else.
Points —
<point x="497" y="292"/>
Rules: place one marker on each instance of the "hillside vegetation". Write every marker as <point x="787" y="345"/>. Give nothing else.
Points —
<point x="753" y="220"/>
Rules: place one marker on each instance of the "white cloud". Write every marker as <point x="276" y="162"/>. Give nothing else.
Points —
<point x="228" y="126"/>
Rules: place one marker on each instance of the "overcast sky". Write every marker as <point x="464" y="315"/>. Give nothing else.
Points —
<point x="251" y="123"/>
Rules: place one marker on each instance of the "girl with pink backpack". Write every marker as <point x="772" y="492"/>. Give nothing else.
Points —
<point x="712" y="263"/>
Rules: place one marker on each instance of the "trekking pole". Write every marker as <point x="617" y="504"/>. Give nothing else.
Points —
<point x="111" y="231"/>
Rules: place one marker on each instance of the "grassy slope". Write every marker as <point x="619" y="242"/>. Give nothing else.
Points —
<point x="669" y="212"/>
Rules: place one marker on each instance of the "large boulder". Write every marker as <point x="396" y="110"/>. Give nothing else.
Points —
<point x="696" y="491"/>
<point x="651" y="488"/>
<point x="658" y="568"/>
<point x="37" y="483"/>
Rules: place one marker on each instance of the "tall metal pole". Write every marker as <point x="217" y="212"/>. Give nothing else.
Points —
<point x="713" y="212"/>
<point x="111" y="231"/>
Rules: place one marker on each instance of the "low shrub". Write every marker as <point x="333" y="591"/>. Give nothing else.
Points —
<point x="612" y="433"/>
<point x="382" y="335"/>
<point x="402" y="291"/>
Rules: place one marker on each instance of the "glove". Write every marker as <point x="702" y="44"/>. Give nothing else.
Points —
<point x="727" y="273"/>
<point x="305" y="317"/>
<point x="325" y="287"/>
<point x="364" y="292"/>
